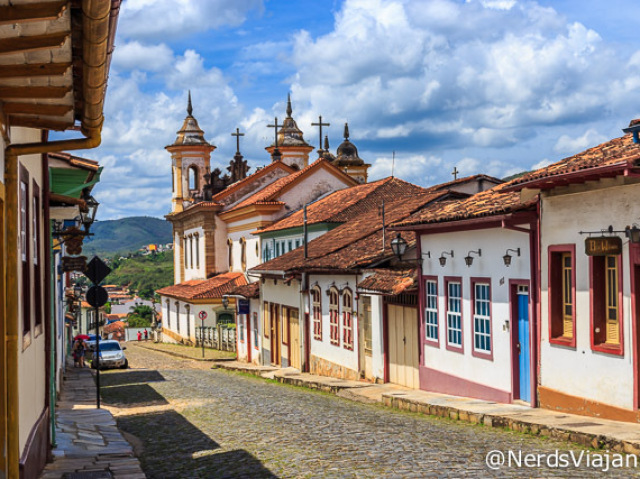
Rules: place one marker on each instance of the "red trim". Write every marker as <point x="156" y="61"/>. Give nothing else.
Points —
<point x="443" y="383"/>
<point x="634" y="268"/>
<point x="307" y="343"/>
<point x="561" y="248"/>
<point x="421" y="304"/>
<point x="266" y="308"/>
<point x="481" y="354"/>
<point x="423" y="324"/>
<point x="286" y="317"/>
<point x="596" y="303"/>
<point x="534" y="299"/>
<point x="447" y="280"/>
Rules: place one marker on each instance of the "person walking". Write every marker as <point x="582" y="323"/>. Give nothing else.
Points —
<point x="139" y="335"/>
<point x="79" y="350"/>
<point x="146" y="334"/>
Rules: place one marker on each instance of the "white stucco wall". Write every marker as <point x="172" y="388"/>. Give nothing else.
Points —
<point x="582" y="372"/>
<point x="195" y="264"/>
<point x="247" y="341"/>
<point x="493" y="242"/>
<point x="171" y="323"/>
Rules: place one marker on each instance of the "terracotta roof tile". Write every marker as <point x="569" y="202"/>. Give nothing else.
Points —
<point x="355" y="243"/>
<point x="348" y="203"/>
<point x="204" y="288"/>
<point x="251" y="290"/>
<point x="271" y="191"/>
<point x="618" y="151"/>
<point x="219" y="197"/>
<point x="486" y="203"/>
<point x="389" y="281"/>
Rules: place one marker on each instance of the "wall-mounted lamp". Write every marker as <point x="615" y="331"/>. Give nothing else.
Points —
<point x="633" y="233"/>
<point x="225" y="302"/>
<point x="507" y="257"/>
<point x="443" y="259"/>
<point x="468" y="260"/>
<point x="332" y="285"/>
<point x="399" y="247"/>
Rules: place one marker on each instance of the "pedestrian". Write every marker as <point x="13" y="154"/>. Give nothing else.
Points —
<point x="74" y="353"/>
<point x="79" y="349"/>
<point x="146" y="334"/>
<point x="139" y="335"/>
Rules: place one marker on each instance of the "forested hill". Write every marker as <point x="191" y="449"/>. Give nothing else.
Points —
<point x="125" y="235"/>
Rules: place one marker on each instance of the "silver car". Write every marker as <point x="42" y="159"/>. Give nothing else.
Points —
<point x="111" y="355"/>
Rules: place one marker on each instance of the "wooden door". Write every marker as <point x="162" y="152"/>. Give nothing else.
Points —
<point x="403" y="345"/>
<point x="294" y="339"/>
<point x="275" y="335"/>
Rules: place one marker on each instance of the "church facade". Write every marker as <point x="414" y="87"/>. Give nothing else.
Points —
<point x="215" y="216"/>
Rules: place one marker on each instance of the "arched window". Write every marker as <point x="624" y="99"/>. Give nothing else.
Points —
<point x="316" y="309"/>
<point x="197" y="236"/>
<point x="347" y="319"/>
<point x="168" y="314"/>
<point x="243" y="254"/>
<point x="334" y="318"/>
<point x="193" y="177"/>
<point x="230" y="248"/>
<point x="191" y="251"/>
<point x="187" y="310"/>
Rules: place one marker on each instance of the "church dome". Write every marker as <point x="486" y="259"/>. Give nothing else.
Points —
<point x="347" y="154"/>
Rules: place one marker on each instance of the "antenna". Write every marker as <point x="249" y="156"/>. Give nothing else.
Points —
<point x="393" y="162"/>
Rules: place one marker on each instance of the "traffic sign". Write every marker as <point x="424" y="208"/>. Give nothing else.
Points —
<point x="97" y="296"/>
<point x="202" y="315"/>
<point x="97" y="270"/>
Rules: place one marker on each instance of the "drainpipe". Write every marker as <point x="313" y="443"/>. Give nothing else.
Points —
<point x="99" y="20"/>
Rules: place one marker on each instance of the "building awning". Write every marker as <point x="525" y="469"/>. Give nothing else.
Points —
<point x="70" y="181"/>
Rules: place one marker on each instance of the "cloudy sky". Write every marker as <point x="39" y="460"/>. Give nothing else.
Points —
<point x="488" y="86"/>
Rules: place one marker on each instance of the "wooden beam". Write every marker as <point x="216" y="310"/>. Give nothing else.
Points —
<point x="41" y="123"/>
<point x="32" y="12"/>
<point x="34" y="69"/>
<point x="36" y="109"/>
<point x="32" y="42"/>
<point x="7" y="92"/>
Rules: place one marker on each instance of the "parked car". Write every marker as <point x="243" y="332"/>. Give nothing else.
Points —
<point x="111" y="355"/>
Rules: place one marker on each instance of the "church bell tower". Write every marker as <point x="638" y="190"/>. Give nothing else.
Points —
<point x="190" y="162"/>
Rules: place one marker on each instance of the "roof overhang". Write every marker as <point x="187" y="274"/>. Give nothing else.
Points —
<point x="624" y="168"/>
<point x="54" y="61"/>
<point x="484" y="222"/>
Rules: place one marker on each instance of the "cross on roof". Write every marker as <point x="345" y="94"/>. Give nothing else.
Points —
<point x="237" y="134"/>
<point x="275" y="156"/>
<point x="320" y="125"/>
<point x="455" y="173"/>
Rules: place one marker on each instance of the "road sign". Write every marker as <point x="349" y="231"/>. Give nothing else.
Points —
<point x="97" y="296"/>
<point x="97" y="270"/>
<point x="202" y="315"/>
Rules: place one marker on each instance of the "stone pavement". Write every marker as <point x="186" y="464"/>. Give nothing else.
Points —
<point x="89" y="443"/>
<point x="591" y="432"/>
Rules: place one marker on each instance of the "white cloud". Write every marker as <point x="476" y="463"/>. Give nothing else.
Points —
<point x="568" y="145"/>
<point x="163" y="19"/>
<point x="137" y="56"/>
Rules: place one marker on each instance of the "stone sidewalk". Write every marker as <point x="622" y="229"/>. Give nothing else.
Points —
<point x="89" y="444"/>
<point x="588" y="431"/>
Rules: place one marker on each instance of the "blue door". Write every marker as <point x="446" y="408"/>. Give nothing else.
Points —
<point x="523" y="343"/>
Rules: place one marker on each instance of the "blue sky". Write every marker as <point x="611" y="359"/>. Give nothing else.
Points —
<point x="488" y="86"/>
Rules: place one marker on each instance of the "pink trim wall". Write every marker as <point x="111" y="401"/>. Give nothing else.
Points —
<point x="443" y="383"/>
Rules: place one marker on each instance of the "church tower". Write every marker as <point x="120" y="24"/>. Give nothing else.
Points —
<point x="294" y="150"/>
<point x="347" y="159"/>
<point x="190" y="161"/>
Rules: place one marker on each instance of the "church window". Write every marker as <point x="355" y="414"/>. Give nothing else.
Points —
<point x="193" y="177"/>
<point x="191" y="251"/>
<point x="197" y="251"/>
<point x="178" y="317"/>
<point x="168" y="314"/>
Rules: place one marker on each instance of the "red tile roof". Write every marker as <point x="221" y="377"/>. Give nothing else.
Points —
<point x="220" y="197"/>
<point x="619" y="152"/>
<point x="346" y="204"/>
<point x="355" y="243"/>
<point x="494" y="201"/>
<point x="467" y="179"/>
<point x="389" y="281"/>
<point x="204" y="288"/>
<point x="251" y="290"/>
<point x="269" y="193"/>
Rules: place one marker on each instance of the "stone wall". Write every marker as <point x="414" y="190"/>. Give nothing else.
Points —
<point x="322" y="367"/>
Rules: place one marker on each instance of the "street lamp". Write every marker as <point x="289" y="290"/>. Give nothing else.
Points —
<point x="507" y="257"/>
<point x="89" y="216"/>
<point x="398" y="246"/>
<point x="225" y="302"/>
<point x="468" y="260"/>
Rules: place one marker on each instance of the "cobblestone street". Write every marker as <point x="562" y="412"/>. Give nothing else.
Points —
<point x="187" y="420"/>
